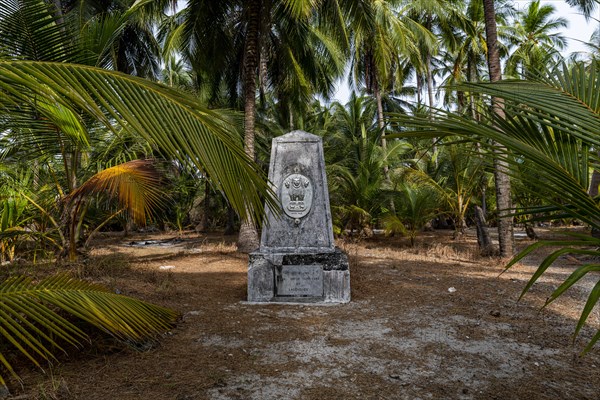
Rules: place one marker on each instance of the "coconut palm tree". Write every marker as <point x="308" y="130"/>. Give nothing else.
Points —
<point x="65" y="104"/>
<point x="438" y="17"/>
<point x="245" y="47"/>
<point x="112" y="35"/>
<point x="535" y="39"/>
<point x="379" y="42"/>
<point x="501" y="177"/>
<point x="466" y="49"/>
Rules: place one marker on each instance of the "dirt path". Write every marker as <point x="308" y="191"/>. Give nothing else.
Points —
<point x="403" y="336"/>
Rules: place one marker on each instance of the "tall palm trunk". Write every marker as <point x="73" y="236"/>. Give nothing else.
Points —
<point x="419" y="88"/>
<point x="58" y="12"/>
<point x="483" y="237"/>
<point x="429" y="78"/>
<point x="381" y="124"/>
<point x="503" y="193"/>
<point x="248" y="238"/>
<point x="429" y="75"/>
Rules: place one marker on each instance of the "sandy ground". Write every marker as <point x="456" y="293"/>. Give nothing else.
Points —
<point x="403" y="336"/>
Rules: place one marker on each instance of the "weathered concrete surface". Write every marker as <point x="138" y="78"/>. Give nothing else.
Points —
<point x="297" y="173"/>
<point x="297" y="260"/>
<point x="267" y="277"/>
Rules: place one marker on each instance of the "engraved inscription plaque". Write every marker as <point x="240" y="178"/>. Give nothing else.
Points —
<point x="296" y="195"/>
<point x="300" y="280"/>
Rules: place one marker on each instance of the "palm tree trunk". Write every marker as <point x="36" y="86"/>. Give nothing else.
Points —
<point x="429" y="78"/>
<point x="230" y="225"/>
<point x="429" y="75"/>
<point x="483" y="238"/>
<point x="248" y="238"/>
<point x="503" y="193"/>
<point x="482" y="228"/>
<point x="593" y="191"/>
<point x="58" y="12"/>
<point x="381" y="125"/>
<point x="419" y="88"/>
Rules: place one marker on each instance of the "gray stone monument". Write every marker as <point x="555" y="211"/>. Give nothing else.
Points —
<point x="297" y="260"/>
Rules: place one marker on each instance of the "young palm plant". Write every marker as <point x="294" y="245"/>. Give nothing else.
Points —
<point x="415" y="206"/>
<point x="456" y="177"/>
<point x="356" y="159"/>
<point x="13" y="220"/>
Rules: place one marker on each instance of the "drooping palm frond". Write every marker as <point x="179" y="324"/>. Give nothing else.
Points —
<point x="29" y="322"/>
<point x="587" y="7"/>
<point x="552" y="125"/>
<point x="567" y="99"/>
<point x="171" y="120"/>
<point x="576" y="245"/>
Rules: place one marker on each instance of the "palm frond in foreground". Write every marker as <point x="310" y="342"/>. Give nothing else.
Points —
<point x="551" y="135"/>
<point x="30" y="324"/>
<point x="172" y="121"/>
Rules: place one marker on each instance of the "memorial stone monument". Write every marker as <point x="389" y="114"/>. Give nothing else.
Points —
<point x="297" y="260"/>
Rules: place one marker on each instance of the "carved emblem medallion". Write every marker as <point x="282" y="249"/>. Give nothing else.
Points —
<point x="296" y="195"/>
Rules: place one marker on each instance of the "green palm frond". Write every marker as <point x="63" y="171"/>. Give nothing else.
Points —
<point x="29" y="29"/>
<point x="547" y="125"/>
<point x="63" y="119"/>
<point x="29" y="322"/>
<point x="576" y="245"/>
<point x="392" y="224"/>
<point x="552" y="125"/>
<point x="416" y="205"/>
<point x="172" y="121"/>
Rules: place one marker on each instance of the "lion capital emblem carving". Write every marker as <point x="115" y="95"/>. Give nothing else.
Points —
<point x="296" y="195"/>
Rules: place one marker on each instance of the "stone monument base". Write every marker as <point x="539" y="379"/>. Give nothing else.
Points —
<point x="299" y="277"/>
